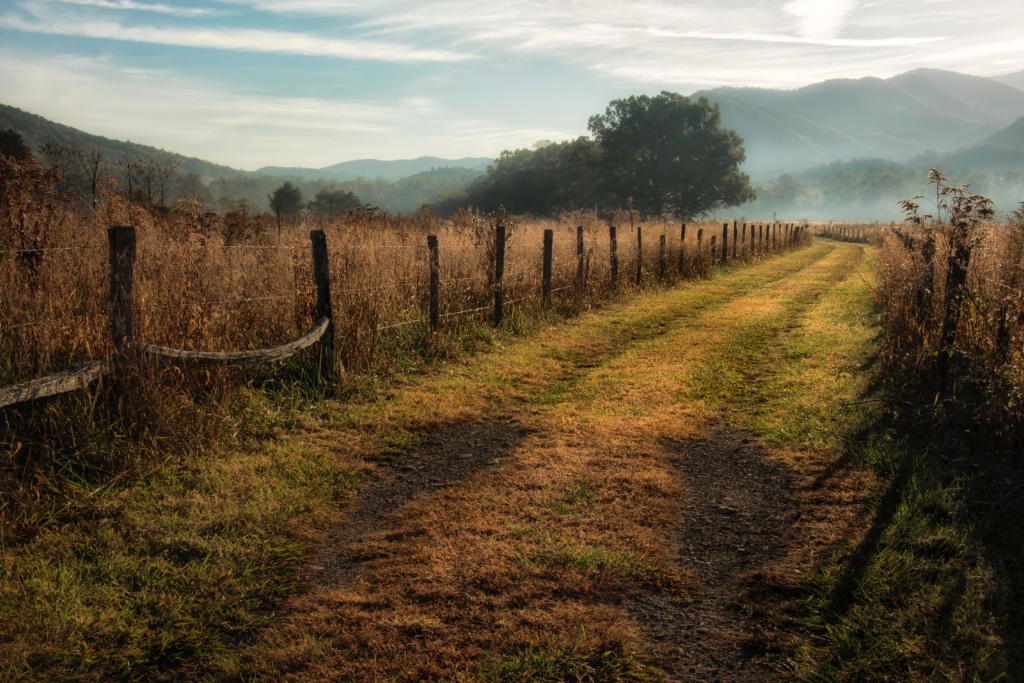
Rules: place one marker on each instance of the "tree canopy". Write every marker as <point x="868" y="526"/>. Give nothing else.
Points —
<point x="286" y="200"/>
<point x="670" y="154"/>
<point x="667" y="153"/>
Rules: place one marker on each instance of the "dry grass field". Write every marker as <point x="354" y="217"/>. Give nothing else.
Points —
<point x="714" y="473"/>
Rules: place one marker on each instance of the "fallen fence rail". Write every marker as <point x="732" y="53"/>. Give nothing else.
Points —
<point x="235" y="358"/>
<point x="76" y="377"/>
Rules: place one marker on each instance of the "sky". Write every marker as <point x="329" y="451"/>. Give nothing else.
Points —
<point x="251" y="83"/>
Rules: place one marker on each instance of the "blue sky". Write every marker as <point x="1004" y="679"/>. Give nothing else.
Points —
<point x="250" y="83"/>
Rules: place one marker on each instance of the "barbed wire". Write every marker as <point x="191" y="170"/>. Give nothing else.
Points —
<point x="49" y="321"/>
<point x="85" y="247"/>
<point x="213" y="303"/>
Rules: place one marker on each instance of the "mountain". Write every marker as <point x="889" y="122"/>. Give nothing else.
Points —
<point x="1014" y="80"/>
<point x="896" y="118"/>
<point x="1009" y="138"/>
<point x="376" y="168"/>
<point x="37" y="131"/>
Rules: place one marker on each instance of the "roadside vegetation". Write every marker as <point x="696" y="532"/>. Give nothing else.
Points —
<point x="185" y="533"/>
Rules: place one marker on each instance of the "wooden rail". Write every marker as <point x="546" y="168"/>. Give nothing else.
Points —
<point x="76" y="377"/>
<point x="235" y="358"/>
<point x="127" y="350"/>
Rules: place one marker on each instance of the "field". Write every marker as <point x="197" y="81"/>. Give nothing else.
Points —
<point x="702" y="471"/>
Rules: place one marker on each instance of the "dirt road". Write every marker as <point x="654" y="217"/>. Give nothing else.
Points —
<point x="633" y="495"/>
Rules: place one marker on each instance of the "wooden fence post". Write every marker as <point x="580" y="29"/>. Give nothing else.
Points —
<point x="735" y="231"/>
<point x="579" y="256"/>
<point x="662" y="258"/>
<point x="499" y="273"/>
<point x="324" y="306"/>
<point x="700" y="250"/>
<point x="725" y="244"/>
<point x="614" y="249"/>
<point x="121" y="239"/>
<point x="639" y="254"/>
<point x="743" y="249"/>
<point x="712" y="251"/>
<point x="435" y="282"/>
<point x="682" y="251"/>
<point x="549" y="242"/>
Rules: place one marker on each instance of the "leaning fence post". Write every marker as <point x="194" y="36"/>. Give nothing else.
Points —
<point x="324" y="307"/>
<point x="614" y="255"/>
<point x="499" y="273"/>
<point x="435" y="282"/>
<point x="549" y="242"/>
<point x="661" y="258"/>
<point x="579" y="255"/>
<point x="639" y="254"/>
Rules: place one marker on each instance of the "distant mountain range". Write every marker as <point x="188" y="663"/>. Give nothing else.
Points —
<point x="1015" y="80"/>
<point x="921" y="116"/>
<point x="375" y="168"/>
<point x="896" y="118"/>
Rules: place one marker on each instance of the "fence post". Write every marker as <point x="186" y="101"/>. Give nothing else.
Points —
<point x="743" y="250"/>
<point x="549" y="242"/>
<point x="661" y="258"/>
<point x="499" y="273"/>
<point x="682" y="251"/>
<point x="579" y="255"/>
<point x="614" y="250"/>
<point x="725" y="244"/>
<point x="700" y="250"/>
<point x="324" y="306"/>
<point x="639" y="254"/>
<point x="435" y="282"/>
<point x="712" y="251"/>
<point x="121" y="239"/>
<point x="735" y="230"/>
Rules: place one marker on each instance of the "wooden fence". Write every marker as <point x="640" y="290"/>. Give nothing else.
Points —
<point x="126" y="348"/>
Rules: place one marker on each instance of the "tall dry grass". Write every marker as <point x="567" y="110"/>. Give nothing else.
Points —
<point x="236" y="281"/>
<point x="951" y="291"/>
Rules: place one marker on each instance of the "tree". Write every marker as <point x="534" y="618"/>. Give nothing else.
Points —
<point x="93" y="163"/>
<point x="549" y="178"/>
<point x="285" y="201"/>
<point x="332" y="203"/>
<point x="12" y="145"/>
<point x="670" y="154"/>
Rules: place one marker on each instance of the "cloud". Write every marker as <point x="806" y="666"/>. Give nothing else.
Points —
<point x="820" y="18"/>
<point x="246" y="40"/>
<point x="143" y="7"/>
<point x="205" y="119"/>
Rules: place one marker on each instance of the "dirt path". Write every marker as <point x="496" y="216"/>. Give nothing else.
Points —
<point x="590" y="505"/>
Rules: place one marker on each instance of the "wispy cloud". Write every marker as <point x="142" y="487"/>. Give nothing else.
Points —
<point x="247" y="40"/>
<point x="820" y="18"/>
<point x="208" y="120"/>
<point x="143" y="7"/>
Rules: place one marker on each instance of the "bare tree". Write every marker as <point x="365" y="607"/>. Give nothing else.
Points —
<point x="63" y="160"/>
<point x="131" y="165"/>
<point x="164" y="169"/>
<point x="94" y="166"/>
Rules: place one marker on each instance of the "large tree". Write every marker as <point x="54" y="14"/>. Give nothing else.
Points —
<point x="670" y="155"/>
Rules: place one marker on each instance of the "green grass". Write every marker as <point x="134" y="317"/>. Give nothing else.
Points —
<point x="576" y="661"/>
<point x="918" y="596"/>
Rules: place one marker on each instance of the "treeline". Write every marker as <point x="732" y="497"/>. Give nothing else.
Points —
<point x="661" y="155"/>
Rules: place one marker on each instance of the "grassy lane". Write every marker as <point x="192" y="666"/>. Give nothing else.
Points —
<point x="519" y="572"/>
<point x="521" y="569"/>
